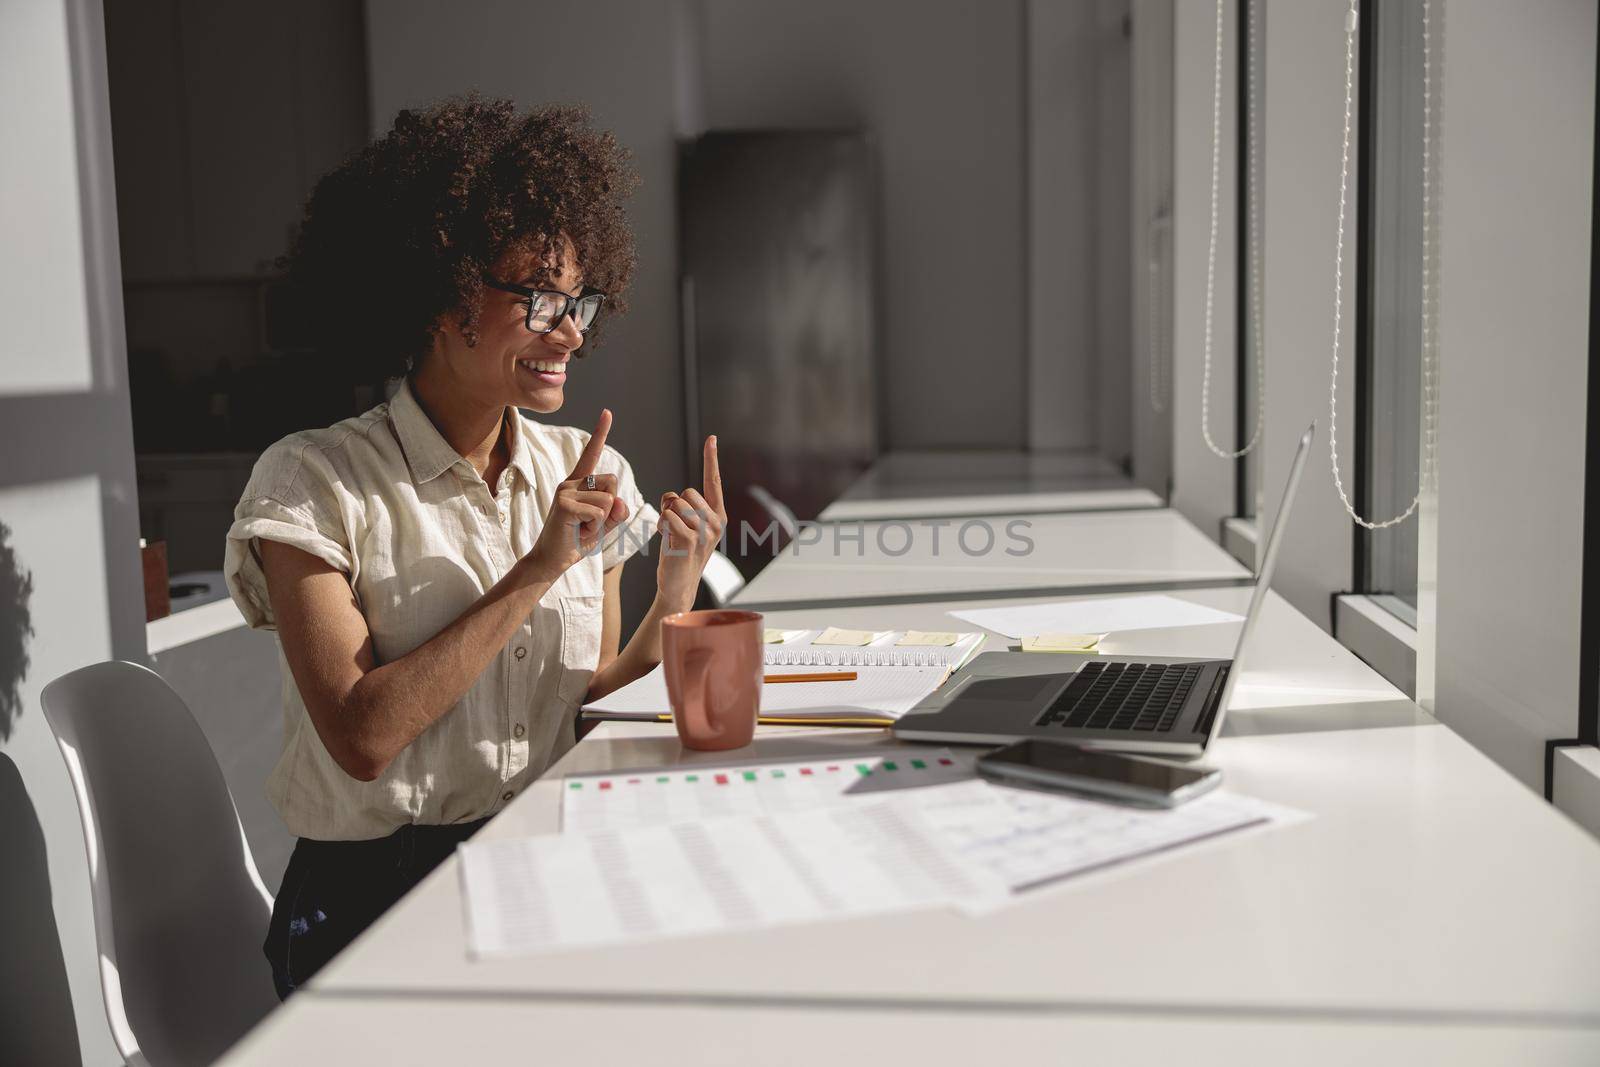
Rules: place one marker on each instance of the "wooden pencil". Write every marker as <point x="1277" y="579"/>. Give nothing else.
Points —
<point x="831" y="676"/>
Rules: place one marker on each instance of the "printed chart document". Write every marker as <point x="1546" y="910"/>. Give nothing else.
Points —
<point x="613" y="801"/>
<point x="877" y="695"/>
<point x="1095" y="616"/>
<point x="560" y="891"/>
<point x="1027" y="838"/>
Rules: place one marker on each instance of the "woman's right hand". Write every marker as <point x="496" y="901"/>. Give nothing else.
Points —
<point x="579" y="517"/>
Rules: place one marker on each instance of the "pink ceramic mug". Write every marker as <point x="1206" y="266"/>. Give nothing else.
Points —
<point x="713" y="665"/>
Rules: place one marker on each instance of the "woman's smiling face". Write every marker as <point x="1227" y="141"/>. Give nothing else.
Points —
<point x="511" y="366"/>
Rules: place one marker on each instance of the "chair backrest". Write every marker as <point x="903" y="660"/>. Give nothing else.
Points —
<point x="777" y="510"/>
<point x="180" y="910"/>
<point x="722" y="578"/>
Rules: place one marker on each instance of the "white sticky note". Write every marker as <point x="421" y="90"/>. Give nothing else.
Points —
<point x="1057" y="642"/>
<point x="774" y="637"/>
<point x="918" y="637"/>
<point x="835" y="636"/>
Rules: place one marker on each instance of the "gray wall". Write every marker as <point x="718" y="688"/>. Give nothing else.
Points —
<point x="1064" y="354"/>
<point x="1145" y="231"/>
<point x="962" y="99"/>
<point x="1202" y="483"/>
<point x="1302" y="124"/>
<point x="67" y="494"/>
<point x="622" y="59"/>
<point x="1303" y="119"/>
<point x="941" y="85"/>
<point x="618" y="58"/>
<point x="1516" y="170"/>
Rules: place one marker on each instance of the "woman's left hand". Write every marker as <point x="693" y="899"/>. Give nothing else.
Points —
<point x="691" y="526"/>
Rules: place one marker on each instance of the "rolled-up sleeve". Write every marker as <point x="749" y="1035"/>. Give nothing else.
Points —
<point x="634" y="534"/>
<point x="290" y="498"/>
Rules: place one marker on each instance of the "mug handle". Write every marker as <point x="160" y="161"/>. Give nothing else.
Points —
<point x="696" y="702"/>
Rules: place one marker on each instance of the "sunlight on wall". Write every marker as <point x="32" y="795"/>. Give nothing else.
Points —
<point x="42" y="299"/>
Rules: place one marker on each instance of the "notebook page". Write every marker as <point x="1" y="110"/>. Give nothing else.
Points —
<point x="883" y="651"/>
<point x="877" y="693"/>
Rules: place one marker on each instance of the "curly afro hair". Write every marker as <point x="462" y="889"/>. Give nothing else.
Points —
<point x="400" y="235"/>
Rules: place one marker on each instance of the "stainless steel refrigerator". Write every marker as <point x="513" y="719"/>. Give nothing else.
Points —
<point x="779" y="286"/>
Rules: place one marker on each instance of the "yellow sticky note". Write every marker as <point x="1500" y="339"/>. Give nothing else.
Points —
<point x="918" y="637"/>
<point x="835" y="636"/>
<point x="1061" y="642"/>
<point x="773" y="637"/>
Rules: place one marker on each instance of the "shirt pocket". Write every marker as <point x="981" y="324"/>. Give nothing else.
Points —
<point x="582" y="618"/>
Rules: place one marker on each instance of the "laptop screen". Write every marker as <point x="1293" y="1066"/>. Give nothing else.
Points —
<point x="1269" y="558"/>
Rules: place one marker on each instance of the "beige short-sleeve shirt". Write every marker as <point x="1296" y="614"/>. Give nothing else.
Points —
<point x="385" y="499"/>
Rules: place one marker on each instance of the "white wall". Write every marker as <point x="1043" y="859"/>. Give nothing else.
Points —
<point x="67" y="494"/>
<point x="1516" y="171"/>
<point x="1203" y="485"/>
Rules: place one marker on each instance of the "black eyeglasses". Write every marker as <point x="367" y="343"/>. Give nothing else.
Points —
<point x="546" y="307"/>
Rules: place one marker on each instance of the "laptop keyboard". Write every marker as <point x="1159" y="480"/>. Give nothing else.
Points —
<point x="1123" y="696"/>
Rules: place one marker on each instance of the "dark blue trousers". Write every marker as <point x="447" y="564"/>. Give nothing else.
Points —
<point x="333" y="890"/>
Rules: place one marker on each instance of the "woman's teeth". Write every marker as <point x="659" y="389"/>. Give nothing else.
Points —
<point x="548" y="366"/>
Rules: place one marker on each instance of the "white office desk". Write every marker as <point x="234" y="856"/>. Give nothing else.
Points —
<point x="992" y="504"/>
<point x="946" y="483"/>
<point x="863" y="562"/>
<point x="432" y="1031"/>
<point x="1429" y="888"/>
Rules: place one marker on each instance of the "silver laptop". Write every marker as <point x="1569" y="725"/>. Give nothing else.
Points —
<point x="1165" y="706"/>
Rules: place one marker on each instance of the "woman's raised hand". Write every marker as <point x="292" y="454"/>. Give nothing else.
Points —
<point x="579" y="516"/>
<point x="691" y="526"/>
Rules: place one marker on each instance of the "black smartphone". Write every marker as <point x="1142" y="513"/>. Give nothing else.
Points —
<point x="1106" y="775"/>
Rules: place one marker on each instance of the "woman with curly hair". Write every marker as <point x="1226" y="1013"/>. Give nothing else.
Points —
<point x="443" y="571"/>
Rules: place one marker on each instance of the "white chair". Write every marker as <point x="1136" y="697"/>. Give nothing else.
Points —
<point x="722" y="579"/>
<point x="777" y="510"/>
<point x="179" y="909"/>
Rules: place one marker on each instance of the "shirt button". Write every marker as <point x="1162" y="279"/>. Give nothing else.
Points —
<point x="507" y="795"/>
<point x="518" y="730"/>
<point x="521" y="652"/>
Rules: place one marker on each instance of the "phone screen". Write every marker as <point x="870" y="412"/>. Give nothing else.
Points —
<point x="1072" y="762"/>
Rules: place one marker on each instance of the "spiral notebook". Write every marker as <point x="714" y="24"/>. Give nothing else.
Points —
<point x="833" y="647"/>
<point x="891" y="679"/>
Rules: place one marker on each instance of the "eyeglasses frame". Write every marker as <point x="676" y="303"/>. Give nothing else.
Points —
<point x="569" y="304"/>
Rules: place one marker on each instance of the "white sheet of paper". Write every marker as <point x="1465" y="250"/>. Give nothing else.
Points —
<point x="620" y="801"/>
<point x="560" y="891"/>
<point x="1095" y="616"/>
<point x="1028" y="837"/>
<point x="877" y="693"/>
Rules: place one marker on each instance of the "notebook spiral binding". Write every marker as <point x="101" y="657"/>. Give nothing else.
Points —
<point x="869" y="657"/>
